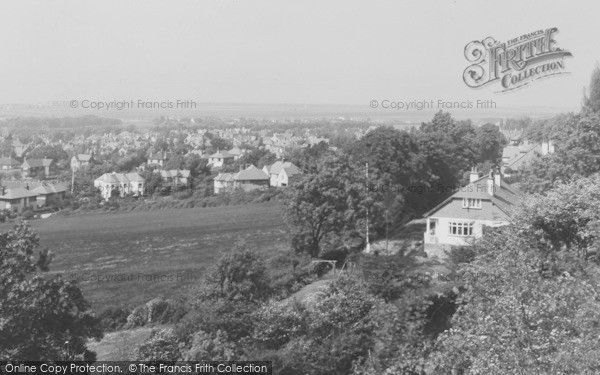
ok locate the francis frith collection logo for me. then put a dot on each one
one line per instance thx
(515, 63)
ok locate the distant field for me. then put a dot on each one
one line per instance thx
(137, 256)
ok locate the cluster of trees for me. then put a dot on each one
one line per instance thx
(408, 174)
(41, 317)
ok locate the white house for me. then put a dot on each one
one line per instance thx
(485, 201)
(124, 183)
(282, 173)
(81, 160)
(219, 159)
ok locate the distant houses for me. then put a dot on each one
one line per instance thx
(517, 155)
(123, 183)
(279, 174)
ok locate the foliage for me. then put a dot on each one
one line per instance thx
(213, 346)
(41, 318)
(161, 347)
(325, 203)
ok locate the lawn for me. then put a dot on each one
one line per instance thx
(130, 258)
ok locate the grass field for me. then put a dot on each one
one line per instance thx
(130, 258)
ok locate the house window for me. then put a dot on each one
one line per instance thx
(461, 229)
(471, 203)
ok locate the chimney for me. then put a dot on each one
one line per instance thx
(474, 175)
(490, 184)
(498, 179)
(544, 148)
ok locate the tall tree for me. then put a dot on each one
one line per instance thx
(41, 318)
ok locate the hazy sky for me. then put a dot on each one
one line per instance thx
(314, 52)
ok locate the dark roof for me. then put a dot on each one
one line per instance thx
(250, 174)
(9, 161)
(35, 163)
(504, 195)
(18, 193)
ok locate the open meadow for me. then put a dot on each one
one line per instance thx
(130, 258)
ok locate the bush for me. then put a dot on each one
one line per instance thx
(156, 311)
(27, 214)
(113, 318)
(162, 346)
(461, 254)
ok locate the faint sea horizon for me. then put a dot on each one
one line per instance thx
(278, 111)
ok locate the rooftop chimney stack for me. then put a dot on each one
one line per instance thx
(474, 175)
(490, 184)
(497, 179)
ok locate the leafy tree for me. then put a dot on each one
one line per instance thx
(162, 346)
(325, 203)
(577, 154)
(55, 152)
(490, 142)
(514, 318)
(591, 98)
(449, 149)
(41, 318)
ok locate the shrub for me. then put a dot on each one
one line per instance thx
(162, 346)
(27, 214)
(113, 318)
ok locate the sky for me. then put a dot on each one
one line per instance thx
(298, 52)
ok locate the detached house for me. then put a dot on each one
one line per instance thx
(37, 167)
(81, 160)
(124, 183)
(485, 201)
(219, 159)
(281, 173)
(175, 177)
(248, 179)
(158, 158)
(18, 199)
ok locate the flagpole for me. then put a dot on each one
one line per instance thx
(368, 247)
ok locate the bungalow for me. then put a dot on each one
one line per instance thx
(485, 201)
(124, 183)
(37, 167)
(8, 163)
(281, 173)
(18, 199)
(248, 179)
(219, 159)
(44, 192)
